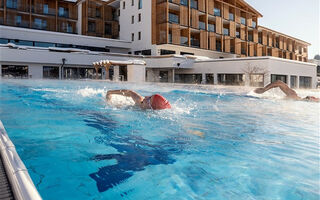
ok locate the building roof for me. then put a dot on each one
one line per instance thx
(250, 8)
(268, 29)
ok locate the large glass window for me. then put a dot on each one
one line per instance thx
(173, 18)
(209, 79)
(276, 77)
(50, 72)
(164, 76)
(305, 82)
(188, 78)
(231, 16)
(92, 27)
(256, 80)
(230, 79)
(14, 71)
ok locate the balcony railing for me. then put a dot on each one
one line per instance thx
(184, 2)
(211, 27)
(42, 10)
(194, 4)
(195, 42)
(202, 25)
(22, 23)
(174, 18)
(184, 41)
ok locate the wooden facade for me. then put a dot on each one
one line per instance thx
(49, 15)
(98, 19)
(61, 16)
(229, 26)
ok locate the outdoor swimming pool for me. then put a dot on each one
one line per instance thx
(213, 144)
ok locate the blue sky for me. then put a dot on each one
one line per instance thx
(300, 19)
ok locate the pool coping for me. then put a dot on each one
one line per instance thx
(22, 185)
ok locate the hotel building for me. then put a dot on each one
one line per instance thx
(226, 30)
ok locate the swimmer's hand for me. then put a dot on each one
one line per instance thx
(259, 90)
(108, 96)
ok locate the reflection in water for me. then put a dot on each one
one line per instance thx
(135, 153)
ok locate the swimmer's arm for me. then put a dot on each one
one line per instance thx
(137, 98)
(284, 88)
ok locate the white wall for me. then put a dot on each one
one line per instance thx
(136, 73)
(126, 28)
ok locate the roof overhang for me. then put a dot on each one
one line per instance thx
(250, 8)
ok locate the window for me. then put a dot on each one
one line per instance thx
(124, 5)
(91, 27)
(132, 19)
(256, 80)
(188, 78)
(231, 16)
(217, 12)
(230, 79)
(209, 79)
(139, 17)
(243, 20)
(44, 44)
(164, 76)
(139, 36)
(63, 12)
(132, 36)
(225, 31)
(51, 72)
(18, 20)
(166, 52)
(45, 9)
(14, 71)
(12, 4)
(140, 4)
(108, 29)
(186, 53)
(132, 2)
(275, 77)
(184, 2)
(305, 82)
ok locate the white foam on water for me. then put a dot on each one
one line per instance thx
(89, 92)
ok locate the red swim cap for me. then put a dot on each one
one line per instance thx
(159, 102)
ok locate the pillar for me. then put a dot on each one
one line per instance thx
(215, 79)
(298, 81)
(204, 81)
(288, 81)
(116, 73)
(173, 74)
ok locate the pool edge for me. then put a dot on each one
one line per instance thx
(21, 184)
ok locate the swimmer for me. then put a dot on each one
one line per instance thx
(154, 102)
(290, 93)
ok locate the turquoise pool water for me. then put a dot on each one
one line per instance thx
(214, 144)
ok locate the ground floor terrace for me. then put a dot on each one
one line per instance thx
(39, 63)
